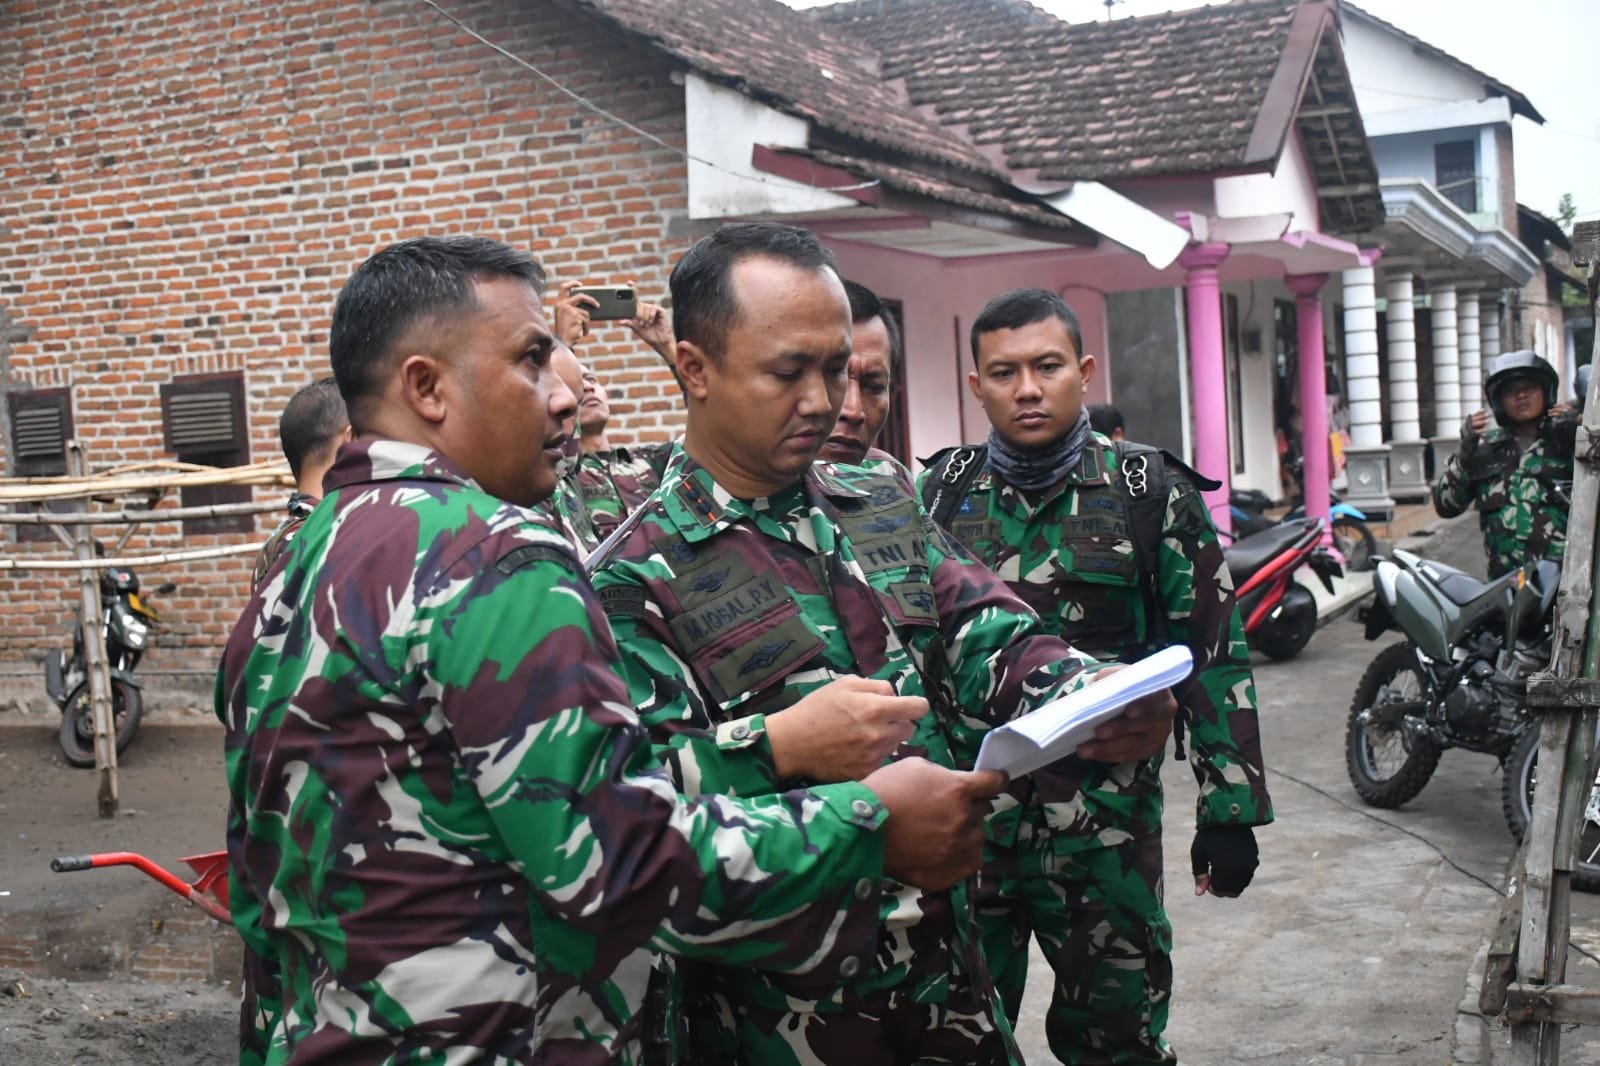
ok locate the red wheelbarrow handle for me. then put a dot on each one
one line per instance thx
(70, 863)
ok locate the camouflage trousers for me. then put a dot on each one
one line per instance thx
(1100, 923)
(882, 1028)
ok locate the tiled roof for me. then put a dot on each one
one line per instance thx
(795, 63)
(1178, 93)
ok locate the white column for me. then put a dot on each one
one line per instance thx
(1469, 337)
(1363, 387)
(1404, 417)
(1489, 329)
(1367, 457)
(1446, 363)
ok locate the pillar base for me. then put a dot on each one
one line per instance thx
(1443, 449)
(1367, 470)
(1407, 470)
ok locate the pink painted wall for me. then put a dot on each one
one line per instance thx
(942, 297)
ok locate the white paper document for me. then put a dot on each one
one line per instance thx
(1056, 729)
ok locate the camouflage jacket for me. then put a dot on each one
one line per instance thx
(448, 836)
(1069, 553)
(299, 508)
(565, 508)
(1522, 497)
(727, 610)
(615, 481)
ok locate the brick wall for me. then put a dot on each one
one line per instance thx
(183, 188)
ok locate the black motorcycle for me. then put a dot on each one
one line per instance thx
(1458, 680)
(127, 622)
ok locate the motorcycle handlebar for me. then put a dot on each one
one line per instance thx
(68, 863)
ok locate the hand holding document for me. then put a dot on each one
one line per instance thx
(1055, 730)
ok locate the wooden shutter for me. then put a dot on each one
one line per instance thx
(41, 425)
(203, 421)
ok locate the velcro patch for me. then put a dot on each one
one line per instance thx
(517, 558)
(623, 601)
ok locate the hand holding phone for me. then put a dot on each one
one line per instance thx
(611, 302)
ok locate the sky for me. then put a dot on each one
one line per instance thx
(1535, 46)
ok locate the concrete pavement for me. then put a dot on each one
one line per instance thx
(1357, 940)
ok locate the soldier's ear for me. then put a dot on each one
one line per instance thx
(693, 364)
(423, 387)
(1086, 369)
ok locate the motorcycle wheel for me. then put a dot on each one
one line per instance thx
(1287, 635)
(77, 721)
(1516, 801)
(1355, 542)
(1383, 770)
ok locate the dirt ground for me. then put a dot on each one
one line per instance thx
(106, 965)
(51, 1022)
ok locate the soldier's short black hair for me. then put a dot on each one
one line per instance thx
(1024, 307)
(1105, 419)
(704, 307)
(407, 283)
(865, 306)
(312, 421)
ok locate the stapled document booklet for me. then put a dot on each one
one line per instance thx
(1056, 729)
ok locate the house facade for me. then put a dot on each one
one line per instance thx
(1447, 296)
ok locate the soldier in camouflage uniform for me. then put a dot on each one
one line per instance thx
(1042, 506)
(448, 837)
(566, 507)
(781, 621)
(875, 352)
(612, 480)
(1517, 473)
(310, 430)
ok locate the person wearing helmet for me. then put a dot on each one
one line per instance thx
(1517, 472)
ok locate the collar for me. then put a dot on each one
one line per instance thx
(701, 508)
(301, 504)
(362, 461)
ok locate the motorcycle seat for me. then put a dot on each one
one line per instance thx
(1246, 556)
(1459, 587)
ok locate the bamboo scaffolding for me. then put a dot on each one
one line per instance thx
(148, 482)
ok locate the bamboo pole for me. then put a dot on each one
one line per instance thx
(94, 650)
(132, 561)
(37, 490)
(172, 514)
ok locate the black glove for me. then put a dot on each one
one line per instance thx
(1468, 442)
(1228, 853)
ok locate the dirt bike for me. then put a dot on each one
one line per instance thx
(127, 623)
(1458, 680)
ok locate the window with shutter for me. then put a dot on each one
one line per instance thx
(41, 425)
(203, 420)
